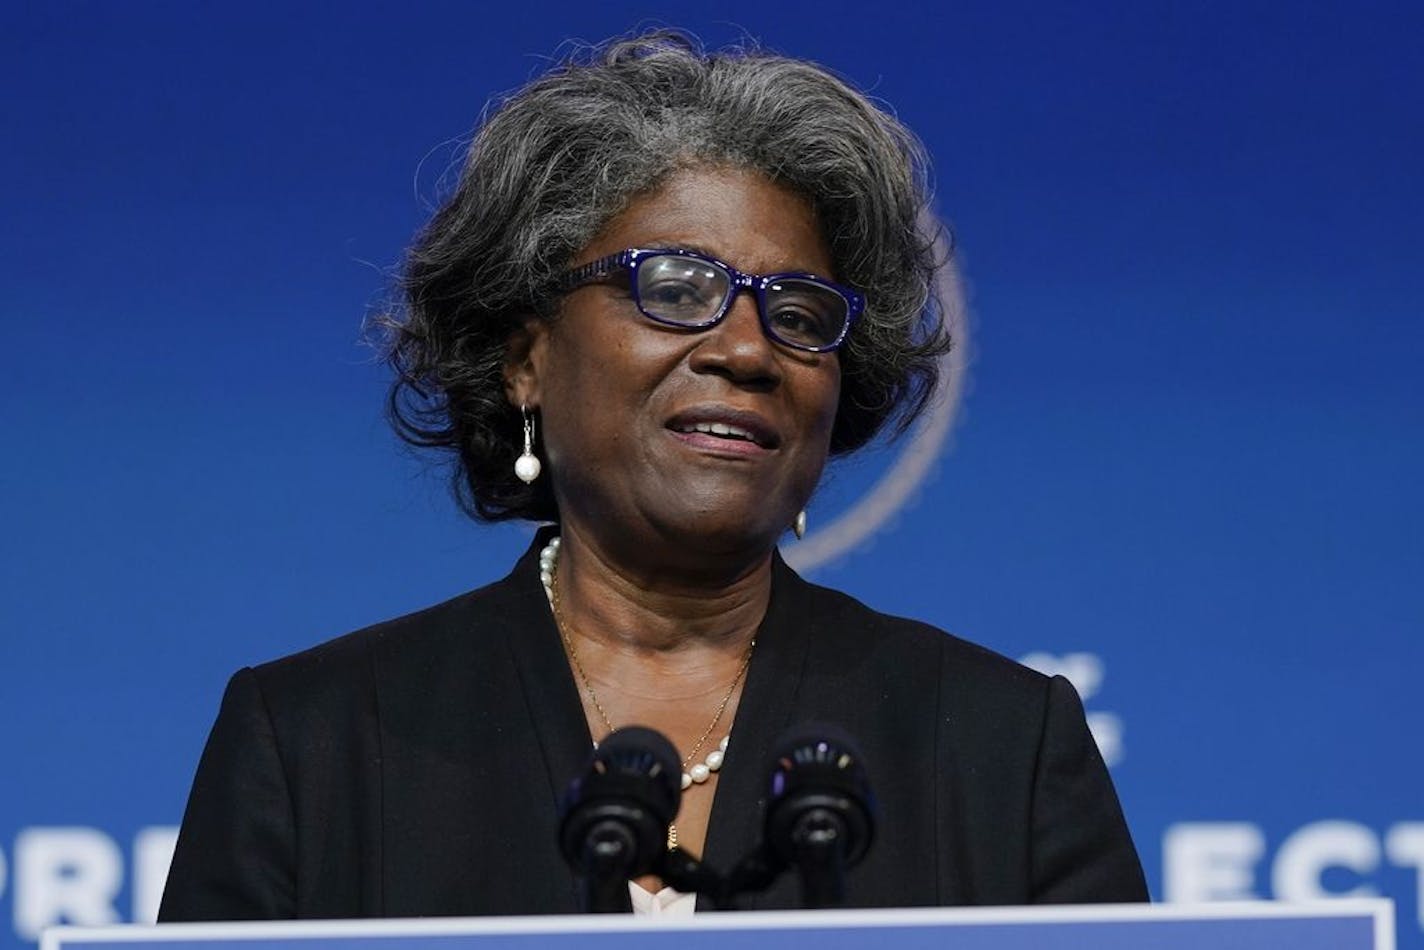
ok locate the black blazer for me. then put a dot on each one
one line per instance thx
(414, 768)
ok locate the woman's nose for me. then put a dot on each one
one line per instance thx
(738, 348)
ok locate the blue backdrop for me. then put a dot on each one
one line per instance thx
(1183, 464)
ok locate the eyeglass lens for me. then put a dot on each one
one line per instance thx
(690, 292)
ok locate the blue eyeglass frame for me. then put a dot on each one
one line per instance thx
(633, 257)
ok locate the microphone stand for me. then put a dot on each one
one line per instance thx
(683, 872)
(820, 817)
(613, 820)
(608, 854)
(818, 839)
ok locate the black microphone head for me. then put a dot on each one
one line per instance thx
(818, 766)
(634, 779)
(637, 747)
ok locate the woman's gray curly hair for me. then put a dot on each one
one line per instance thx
(558, 159)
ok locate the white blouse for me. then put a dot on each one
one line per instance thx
(665, 903)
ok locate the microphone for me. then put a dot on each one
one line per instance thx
(820, 816)
(613, 822)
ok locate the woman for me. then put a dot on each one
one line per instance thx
(669, 287)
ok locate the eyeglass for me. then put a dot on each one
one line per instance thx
(690, 290)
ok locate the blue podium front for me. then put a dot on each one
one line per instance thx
(1351, 924)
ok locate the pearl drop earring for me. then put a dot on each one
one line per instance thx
(798, 526)
(527, 466)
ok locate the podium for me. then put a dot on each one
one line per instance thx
(1346, 924)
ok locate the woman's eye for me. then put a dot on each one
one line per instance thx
(798, 321)
(674, 293)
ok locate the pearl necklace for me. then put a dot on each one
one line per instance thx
(696, 774)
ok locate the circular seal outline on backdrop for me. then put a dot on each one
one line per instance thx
(923, 445)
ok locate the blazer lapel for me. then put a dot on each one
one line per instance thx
(550, 694)
(764, 713)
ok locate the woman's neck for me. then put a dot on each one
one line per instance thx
(659, 606)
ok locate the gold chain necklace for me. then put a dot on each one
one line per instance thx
(697, 774)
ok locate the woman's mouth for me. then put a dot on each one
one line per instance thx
(725, 430)
(718, 429)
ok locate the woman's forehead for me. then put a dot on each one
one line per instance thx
(736, 215)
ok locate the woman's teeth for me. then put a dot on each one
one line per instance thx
(720, 430)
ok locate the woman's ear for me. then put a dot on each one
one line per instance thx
(523, 362)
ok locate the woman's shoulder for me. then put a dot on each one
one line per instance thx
(466, 625)
(850, 624)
